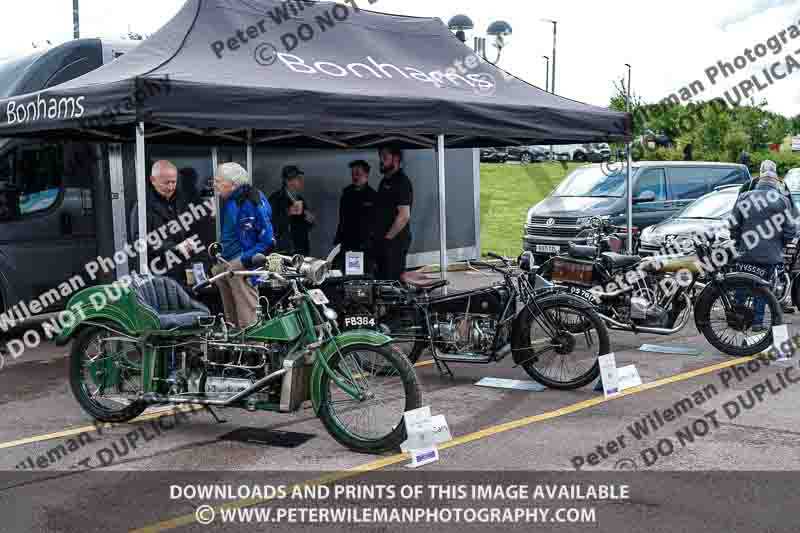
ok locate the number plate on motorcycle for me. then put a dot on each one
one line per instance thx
(548, 249)
(318, 296)
(359, 322)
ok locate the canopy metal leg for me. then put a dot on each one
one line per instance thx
(141, 196)
(442, 211)
(214, 165)
(250, 155)
(630, 203)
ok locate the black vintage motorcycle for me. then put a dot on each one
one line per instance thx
(555, 337)
(659, 294)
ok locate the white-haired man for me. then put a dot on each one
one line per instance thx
(164, 205)
(246, 227)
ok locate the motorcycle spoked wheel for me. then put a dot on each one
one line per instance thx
(106, 377)
(796, 291)
(375, 424)
(731, 331)
(561, 332)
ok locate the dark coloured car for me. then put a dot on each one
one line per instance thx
(660, 190)
(494, 155)
(528, 154)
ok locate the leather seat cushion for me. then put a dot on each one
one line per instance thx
(580, 251)
(168, 299)
(620, 260)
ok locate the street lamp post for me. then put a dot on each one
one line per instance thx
(553, 81)
(76, 21)
(555, 32)
(547, 74)
(629, 173)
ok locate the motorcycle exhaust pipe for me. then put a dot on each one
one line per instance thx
(625, 327)
(655, 331)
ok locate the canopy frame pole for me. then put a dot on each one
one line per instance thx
(250, 155)
(442, 211)
(141, 194)
(630, 202)
(214, 165)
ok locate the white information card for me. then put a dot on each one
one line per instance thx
(609, 374)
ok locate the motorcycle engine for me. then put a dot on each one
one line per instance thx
(644, 312)
(224, 368)
(465, 333)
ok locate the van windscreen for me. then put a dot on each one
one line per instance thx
(593, 181)
(12, 71)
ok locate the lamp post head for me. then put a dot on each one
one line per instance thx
(501, 31)
(460, 24)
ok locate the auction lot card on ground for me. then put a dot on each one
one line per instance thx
(609, 374)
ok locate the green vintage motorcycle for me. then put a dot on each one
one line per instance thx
(149, 343)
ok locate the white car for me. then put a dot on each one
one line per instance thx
(584, 152)
(793, 180)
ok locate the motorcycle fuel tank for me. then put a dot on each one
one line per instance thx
(491, 300)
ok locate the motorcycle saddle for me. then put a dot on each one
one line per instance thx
(170, 302)
(621, 260)
(581, 251)
(422, 283)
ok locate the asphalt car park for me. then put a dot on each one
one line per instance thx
(52, 453)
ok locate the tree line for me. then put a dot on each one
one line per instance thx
(713, 130)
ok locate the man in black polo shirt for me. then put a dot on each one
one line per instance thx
(356, 215)
(392, 215)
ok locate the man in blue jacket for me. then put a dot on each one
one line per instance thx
(246, 227)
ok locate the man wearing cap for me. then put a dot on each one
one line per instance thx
(292, 220)
(763, 211)
(356, 214)
(246, 228)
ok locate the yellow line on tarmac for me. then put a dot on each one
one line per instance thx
(154, 415)
(187, 520)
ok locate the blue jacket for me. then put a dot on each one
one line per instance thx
(246, 227)
(757, 227)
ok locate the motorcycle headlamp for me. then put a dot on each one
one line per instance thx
(526, 262)
(315, 270)
(330, 314)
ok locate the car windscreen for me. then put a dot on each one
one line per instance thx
(793, 180)
(12, 71)
(593, 182)
(712, 206)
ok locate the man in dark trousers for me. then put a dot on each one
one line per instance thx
(356, 216)
(291, 219)
(392, 215)
(762, 227)
(164, 204)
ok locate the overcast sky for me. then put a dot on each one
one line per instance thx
(669, 44)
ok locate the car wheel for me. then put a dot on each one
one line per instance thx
(526, 158)
(580, 157)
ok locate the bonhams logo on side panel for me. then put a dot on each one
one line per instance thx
(44, 109)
